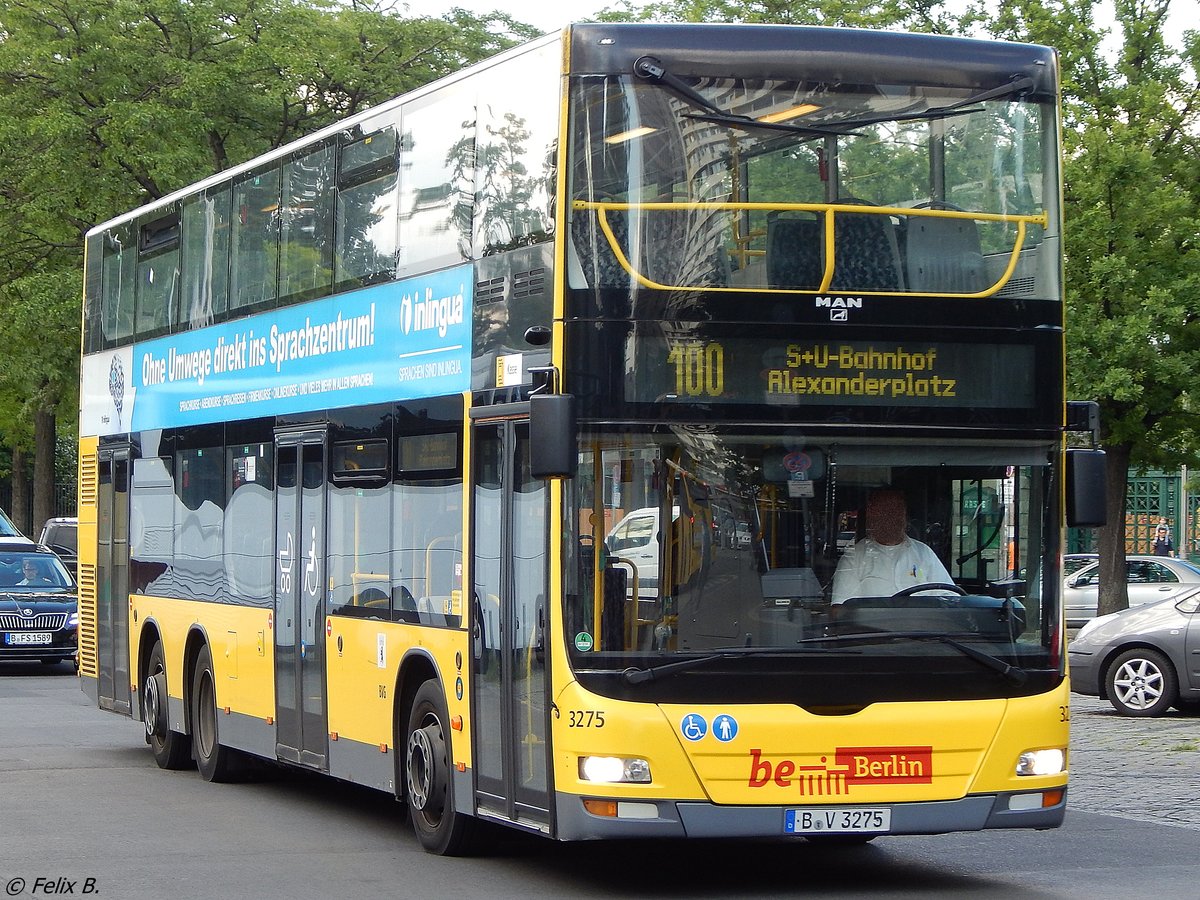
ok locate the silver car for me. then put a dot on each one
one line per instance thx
(1150, 578)
(1137, 658)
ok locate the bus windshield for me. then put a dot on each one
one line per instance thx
(707, 541)
(729, 183)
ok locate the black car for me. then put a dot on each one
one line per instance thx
(61, 534)
(39, 613)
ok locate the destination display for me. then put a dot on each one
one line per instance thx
(758, 371)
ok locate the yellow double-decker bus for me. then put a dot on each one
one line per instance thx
(502, 447)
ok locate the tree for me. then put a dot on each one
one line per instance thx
(1132, 208)
(108, 104)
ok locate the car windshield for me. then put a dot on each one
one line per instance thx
(7, 528)
(33, 573)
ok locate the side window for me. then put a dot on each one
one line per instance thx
(427, 529)
(367, 216)
(158, 274)
(248, 547)
(152, 519)
(518, 134)
(119, 284)
(206, 226)
(437, 159)
(255, 241)
(1160, 574)
(306, 226)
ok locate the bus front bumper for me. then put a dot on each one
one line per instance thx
(691, 819)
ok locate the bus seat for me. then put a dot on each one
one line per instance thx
(404, 605)
(943, 256)
(794, 253)
(866, 254)
(372, 597)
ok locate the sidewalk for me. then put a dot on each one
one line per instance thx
(1146, 769)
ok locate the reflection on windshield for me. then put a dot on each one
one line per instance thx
(728, 184)
(701, 542)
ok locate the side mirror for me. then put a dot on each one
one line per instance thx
(553, 450)
(1086, 487)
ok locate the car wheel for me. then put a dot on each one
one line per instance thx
(171, 749)
(428, 777)
(1141, 682)
(215, 762)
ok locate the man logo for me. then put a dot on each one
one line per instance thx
(839, 307)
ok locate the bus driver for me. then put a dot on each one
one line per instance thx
(887, 560)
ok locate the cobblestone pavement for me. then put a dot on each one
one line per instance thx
(1145, 769)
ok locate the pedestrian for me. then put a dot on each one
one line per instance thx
(1162, 542)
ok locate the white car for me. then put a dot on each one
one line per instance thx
(635, 541)
(1149, 578)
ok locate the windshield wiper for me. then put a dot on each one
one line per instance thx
(1012, 674)
(651, 69)
(634, 675)
(957, 108)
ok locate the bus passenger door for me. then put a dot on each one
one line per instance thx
(300, 733)
(112, 580)
(509, 724)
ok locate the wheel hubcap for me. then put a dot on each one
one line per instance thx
(1138, 684)
(425, 770)
(153, 709)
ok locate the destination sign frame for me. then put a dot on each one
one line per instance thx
(769, 371)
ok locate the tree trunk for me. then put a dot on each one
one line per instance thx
(20, 493)
(1114, 590)
(44, 428)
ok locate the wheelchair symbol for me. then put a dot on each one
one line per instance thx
(693, 727)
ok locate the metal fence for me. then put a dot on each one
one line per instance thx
(65, 498)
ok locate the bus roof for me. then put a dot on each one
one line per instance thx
(847, 55)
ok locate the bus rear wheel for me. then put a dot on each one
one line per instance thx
(428, 777)
(171, 749)
(215, 762)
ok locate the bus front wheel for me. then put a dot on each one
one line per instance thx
(171, 749)
(428, 777)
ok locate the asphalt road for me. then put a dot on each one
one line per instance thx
(84, 809)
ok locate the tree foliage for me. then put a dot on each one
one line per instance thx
(109, 104)
(1131, 111)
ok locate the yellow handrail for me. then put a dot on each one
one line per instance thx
(828, 211)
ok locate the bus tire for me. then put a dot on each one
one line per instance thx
(428, 778)
(171, 749)
(215, 762)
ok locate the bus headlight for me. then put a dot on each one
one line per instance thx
(614, 770)
(1042, 762)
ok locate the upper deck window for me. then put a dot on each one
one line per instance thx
(255, 248)
(367, 217)
(894, 189)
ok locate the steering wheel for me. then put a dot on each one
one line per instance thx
(930, 586)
